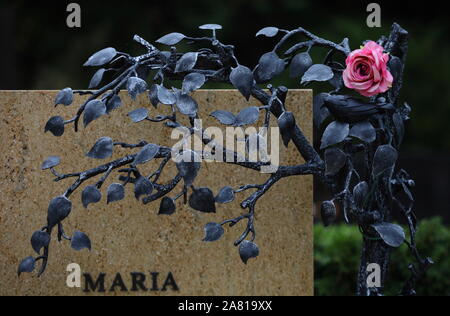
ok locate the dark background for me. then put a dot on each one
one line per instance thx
(40, 52)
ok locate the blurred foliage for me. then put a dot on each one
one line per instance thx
(40, 52)
(337, 253)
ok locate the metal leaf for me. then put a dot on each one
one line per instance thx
(213, 232)
(193, 81)
(40, 240)
(268, 31)
(138, 115)
(360, 192)
(202, 200)
(395, 67)
(166, 96)
(136, 86)
(287, 124)
(242, 79)
(188, 166)
(167, 206)
(328, 213)
(248, 250)
(97, 78)
(50, 162)
(321, 112)
(90, 195)
(64, 97)
(26, 266)
(153, 95)
(224, 117)
(210, 27)
(269, 66)
(186, 62)
(399, 127)
(349, 109)
(103, 149)
(300, 64)
(186, 104)
(335, 133)
(80, 241)
(393, 235)
(146, 154)
(337, 80)
(101, 58)
(335, 160)
(114, 103)
(58, 210)
(318, 73)
(171, 39)
(55, 126)
(94, 110)
(247, 116)
(384, 160)
(226, 195)
(142, 186)
(364, 131)
(116, 192)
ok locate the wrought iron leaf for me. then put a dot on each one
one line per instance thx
(186, 62)
(192, 82)
(91, 195)
(328, 212)
(116, 192)
(213, 232)
(395, 67)
(55, 126)
(188, 165)
(300, 64)
(50, 162)
(286, 122)
(101, 58)
(247, 116)
(26, 266)
(58, 210)
(97, 78)
(166, 96)
(321, 112)
(364, 131)
(167, 206)
(171, 39)
(337, 80)
(268, 31)
(393, 235)
(248, 250)
(80, 241)
(103, 149)
(349, 109)
(142, 187)
(360, 192)
(334, 134)
(242, 79)
(186, 105)
(318, 73)
(226, 195)
(64, 97)
(94, 110)
(138, 115)
(384, 160)
(269, 66)
(146, 154)
(202, 200)
(136, 86)
(210, 27)
(114, 103)
(224, 117)
(399, 127)
(335, 160)
(39, 240)
(153, 95)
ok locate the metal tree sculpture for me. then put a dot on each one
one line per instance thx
(359, 144)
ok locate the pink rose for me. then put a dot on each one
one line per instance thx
(367, 70)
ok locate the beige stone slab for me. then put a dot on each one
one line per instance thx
(128, 236)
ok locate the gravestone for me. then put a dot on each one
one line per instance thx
(133, 248)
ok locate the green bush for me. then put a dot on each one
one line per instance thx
(338, 250)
